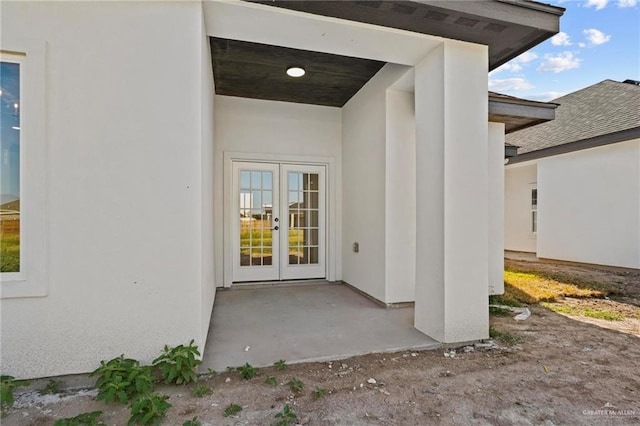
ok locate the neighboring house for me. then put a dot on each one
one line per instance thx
(145, 123)
(573, 191)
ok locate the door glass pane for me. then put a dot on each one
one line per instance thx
(303, 204)
(256, 218)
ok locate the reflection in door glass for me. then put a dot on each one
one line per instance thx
(302, 211)
(256, 216)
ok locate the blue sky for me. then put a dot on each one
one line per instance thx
(598, 40)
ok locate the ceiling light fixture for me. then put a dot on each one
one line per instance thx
(295, 72)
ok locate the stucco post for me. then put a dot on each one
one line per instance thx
(496, 207)
(452, 248)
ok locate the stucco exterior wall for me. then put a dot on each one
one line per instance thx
(400, 197)
(519, 180)
(126, 224)
(364, 174)
(589, 205)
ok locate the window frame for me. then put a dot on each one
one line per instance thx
(533, 211)
(32, 280)
(19, 59)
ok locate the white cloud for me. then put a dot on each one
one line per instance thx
(509, 66)
(598, 4)
(509, 84)
(596, 37)
(561, 39)
(558, 63)
(526, 57)
(582, 44)
(627, 3)
(515, 65)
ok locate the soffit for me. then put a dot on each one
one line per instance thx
(507, 28)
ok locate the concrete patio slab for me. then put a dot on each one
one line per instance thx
(304, 323)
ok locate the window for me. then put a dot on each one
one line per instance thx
(11, 253)
(534, 210)
(23, 168)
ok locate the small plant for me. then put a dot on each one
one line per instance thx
(497, 311)
(504, 336)
(121, 379)
(286, 417)
(296, 385)
(200, 391)
(84, 419)
(7, 384)
(319, 393)
(247, 371)
(149, 409)
(232, 409)
(193, 422)
(270, 380)
(211, 372)
(281, 365)
(178, 365)
(52, 387)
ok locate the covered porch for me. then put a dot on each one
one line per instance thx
(304, 322)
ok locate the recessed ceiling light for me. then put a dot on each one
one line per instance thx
(295, 71)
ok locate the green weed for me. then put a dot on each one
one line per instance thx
(232, 409)
(7, 385)
(178, 365)
(319, 393)
(121, 379)
(247, 371)
(84, 419)
(504, 336)
(200, 391)
(281, 365)
(295, 385)
(149, 409)
(271, 380)
(286, 417)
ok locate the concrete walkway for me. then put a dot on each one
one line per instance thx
(307, 322)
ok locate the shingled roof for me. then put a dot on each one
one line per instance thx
(606, 112)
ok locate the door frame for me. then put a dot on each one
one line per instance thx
(332, 246)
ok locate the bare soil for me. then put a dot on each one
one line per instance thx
(564, 370)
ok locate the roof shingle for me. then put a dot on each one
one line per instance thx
(604, 108)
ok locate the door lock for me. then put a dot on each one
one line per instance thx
(276, 228)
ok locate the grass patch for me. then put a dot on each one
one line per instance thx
(585, 312)
(10, 252)
(499, 312)
(532, 288)
(507, 299)
(504, 337)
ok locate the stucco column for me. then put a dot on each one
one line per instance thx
(496, 208)
(452, 193)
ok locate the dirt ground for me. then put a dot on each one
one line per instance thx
(563, 370)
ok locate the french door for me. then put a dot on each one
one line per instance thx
(279, 230)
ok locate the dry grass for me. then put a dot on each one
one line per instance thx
(584, 311)
(532, 288)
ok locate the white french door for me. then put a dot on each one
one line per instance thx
(279, 216)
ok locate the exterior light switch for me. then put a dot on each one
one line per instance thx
(356, 247)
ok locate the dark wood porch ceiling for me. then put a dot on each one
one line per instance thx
(258, 71)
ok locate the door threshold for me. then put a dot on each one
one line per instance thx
(286, 283)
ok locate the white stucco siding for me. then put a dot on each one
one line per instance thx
(278, 130)
(208, 290)
(496, 207)
(364, 174)
(125, 185)
(519, 180)
(589, 205)
(400, 192)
